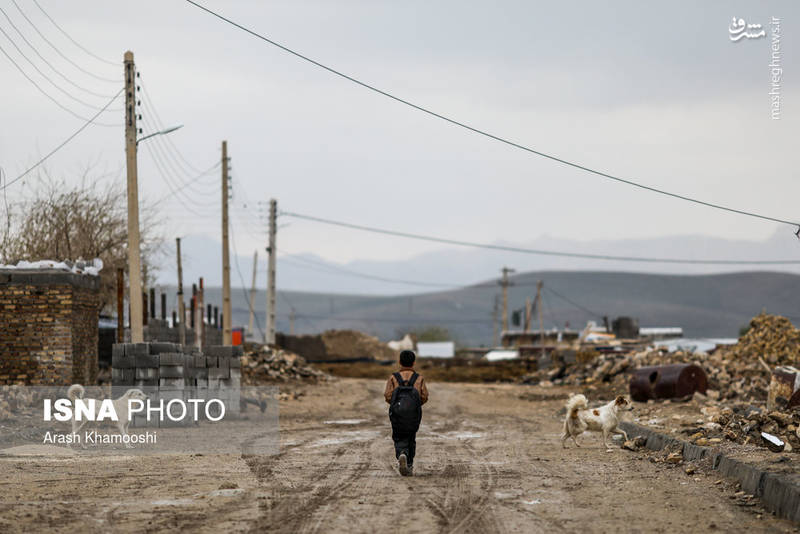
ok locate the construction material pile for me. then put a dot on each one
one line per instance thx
(337, 346)
(269, 366)
(740, 371)
(745, 423)
(770, 337)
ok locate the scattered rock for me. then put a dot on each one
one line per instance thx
(674, 458)
(267, 366)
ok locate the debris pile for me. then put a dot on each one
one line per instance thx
(14, 398)
(736, 372)
(265, 366)
(771, 337)
(337, 345)
(745, 423)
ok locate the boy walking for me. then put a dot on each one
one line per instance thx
(406, 393)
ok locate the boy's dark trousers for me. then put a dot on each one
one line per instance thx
(404, 442)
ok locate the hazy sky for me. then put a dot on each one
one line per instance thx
(654, 92)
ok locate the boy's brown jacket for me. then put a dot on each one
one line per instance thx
(406, 373)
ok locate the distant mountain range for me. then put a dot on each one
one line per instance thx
(704, 305)
(448, 267)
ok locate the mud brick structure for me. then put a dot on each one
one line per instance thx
(48, 327)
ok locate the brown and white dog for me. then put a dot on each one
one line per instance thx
(605, 419)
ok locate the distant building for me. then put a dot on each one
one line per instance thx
(661, 332)
(438, 349)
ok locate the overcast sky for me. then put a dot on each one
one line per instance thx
(653, 92)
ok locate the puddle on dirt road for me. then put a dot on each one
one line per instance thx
(346, 422)
(347, 437)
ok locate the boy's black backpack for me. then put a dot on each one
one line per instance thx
(405, 410)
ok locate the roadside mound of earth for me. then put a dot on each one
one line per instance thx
(772, 337)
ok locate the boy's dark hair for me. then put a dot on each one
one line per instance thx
(407, 358)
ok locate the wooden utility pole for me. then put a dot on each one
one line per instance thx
(253, 295)
(528, 313)
(134, 258)
(504, 283)
(120, 305)
(539, 309)
(181, 303)
(226, 259)
(269, 334)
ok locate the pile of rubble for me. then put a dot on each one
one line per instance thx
(267, 366)
(771, 337)
(745, 423)
(739, 371)
(13, 399)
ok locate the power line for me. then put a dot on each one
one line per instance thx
(487, 134)
(534, 251)
(332, 269)
(241, 278)
(46, 62)
(60, 53)
(56, 102)
(570, 301)
(67, 140)
(76, 43)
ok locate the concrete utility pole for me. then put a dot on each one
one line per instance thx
(226, 259)
(504, 283)
(269, 334)
(539, 309)
(198, 320)
(495, 309)
(134, 257)
(120, 305)
(181, 303)
(253, 295)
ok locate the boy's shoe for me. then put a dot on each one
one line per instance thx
(403, 462)
(410, 470)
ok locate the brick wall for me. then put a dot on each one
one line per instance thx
(48, 327)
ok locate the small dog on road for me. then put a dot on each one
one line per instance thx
(605, 419)
(77, 391)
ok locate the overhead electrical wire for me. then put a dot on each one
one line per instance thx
(51, 98)
(241, 279)
(76, 43)
(487, 134)
(52, 67)
(60, 146)
(60, 53)
(542, 252)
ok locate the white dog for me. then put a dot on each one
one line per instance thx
(604, 419)
(77, 391)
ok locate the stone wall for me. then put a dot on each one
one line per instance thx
(48, 327)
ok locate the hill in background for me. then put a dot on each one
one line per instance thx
(714, 305)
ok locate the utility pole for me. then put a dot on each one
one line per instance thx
(504, 283)
(226, 259)
(539, 309)
(253, 295)
(269, 334)
(199, 330)
(495, 309)
(134, 258)
(181, 303)
(120, 305)
(528, 313)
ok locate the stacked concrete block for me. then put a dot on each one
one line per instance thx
(225, 375)
(180, 372)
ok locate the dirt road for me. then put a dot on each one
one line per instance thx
(488, 461)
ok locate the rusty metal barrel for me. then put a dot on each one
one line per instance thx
(667, 381)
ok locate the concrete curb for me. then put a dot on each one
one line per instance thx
(779, 493)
